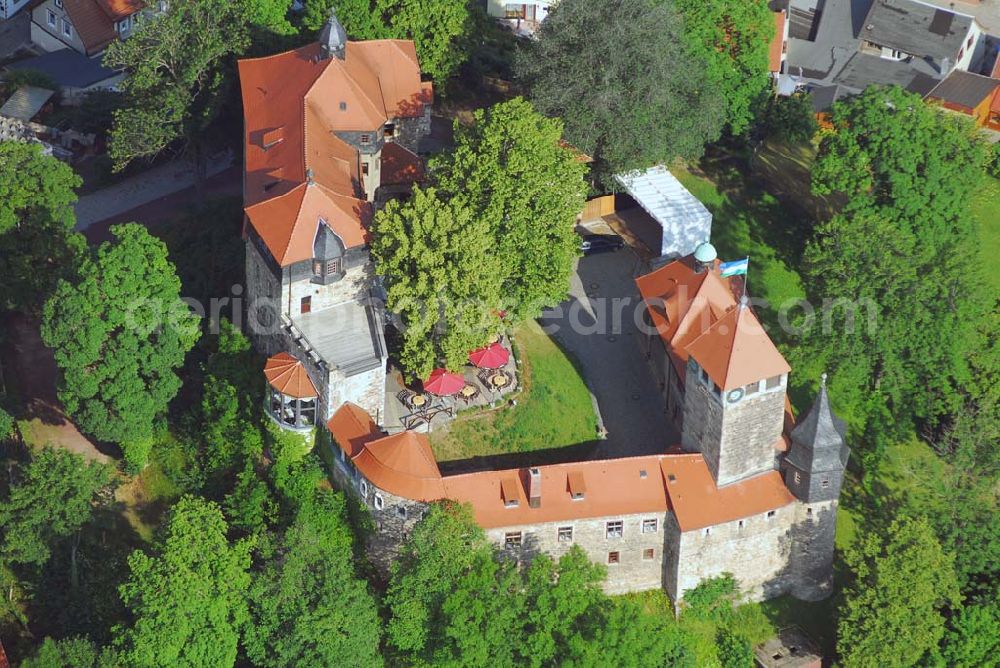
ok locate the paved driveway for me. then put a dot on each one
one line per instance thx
(597, 325)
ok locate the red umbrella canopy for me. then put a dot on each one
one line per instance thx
(492, 356)
(443, 382)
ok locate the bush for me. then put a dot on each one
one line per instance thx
(993, 161)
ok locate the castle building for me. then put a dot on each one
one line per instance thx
(331, 131)
(747, 491)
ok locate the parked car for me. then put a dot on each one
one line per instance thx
(601, 243)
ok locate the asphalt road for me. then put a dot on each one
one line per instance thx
(597, 325)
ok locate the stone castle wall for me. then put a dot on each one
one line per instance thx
(352, 287)
(813, 546)
(410, 130)
(635, 570)
(756, 550)
(737, 440)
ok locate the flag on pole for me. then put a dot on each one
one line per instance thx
(735, 268)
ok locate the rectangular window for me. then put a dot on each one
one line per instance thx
(740, 525)
(305, 306)
(512, 540)
(333, 266)
(390, 130)
(648, 554)
(798, 477)
(649, 526)
(365, 140)
(565, 534)
(51, 18)
(401, 511)
(615, 529)
(708, 531)
(824, 483)
(773, 382)
(614, 558)
(364, 169)
(770, 514)
(67, 29)
(752, 388)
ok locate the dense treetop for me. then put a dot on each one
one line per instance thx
(645, 101)
(37, 243)
(119, 333)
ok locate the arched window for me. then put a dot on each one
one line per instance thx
(378, 501)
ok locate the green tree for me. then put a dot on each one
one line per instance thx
(733, 38)
(359, 17)
(973, 637)
(179, 70)
(900, 581)
(37, 243)
(119, 333)
(439, 28)
(444, 546)
(308, 606)
(64, 653)
(187, 598)
(789, 118)
(646, 100)
(442, 278)
(898, 251)
(50, 498)
(510, 168)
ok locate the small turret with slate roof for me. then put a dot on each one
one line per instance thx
(818, 456)
(333, 37)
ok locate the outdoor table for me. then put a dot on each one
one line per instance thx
(418, 400)
(499, 380)
(469, 390)
(494, 339)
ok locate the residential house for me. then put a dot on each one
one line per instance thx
(907, 43)
(778, 48)
(523, 17)
(10, 7)
(86, 26)
(747, 491)
(330, 133)
(74, 73)
(969, 94)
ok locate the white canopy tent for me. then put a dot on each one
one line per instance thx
(683, 218)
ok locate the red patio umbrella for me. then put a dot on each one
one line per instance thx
(443, 382)
(492, 356)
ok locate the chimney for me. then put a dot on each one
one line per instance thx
(534, 487)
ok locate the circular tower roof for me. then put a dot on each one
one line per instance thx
(705, 253)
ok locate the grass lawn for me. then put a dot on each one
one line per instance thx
(553, 407)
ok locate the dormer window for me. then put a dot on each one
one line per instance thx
(577, 488)
(508, 489)
(343, 106)
(365, 139)
(328, 256)
(389, 130)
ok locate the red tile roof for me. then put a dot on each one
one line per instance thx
(400, 166)
(3, 658)
(119, 9)
(94, 26)
(403, 464)
(287, 223)
(294, 102)
(698, 503)
(287, 375)
(735, 350)
(682, 304)
(777, 46)
(352, 427)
